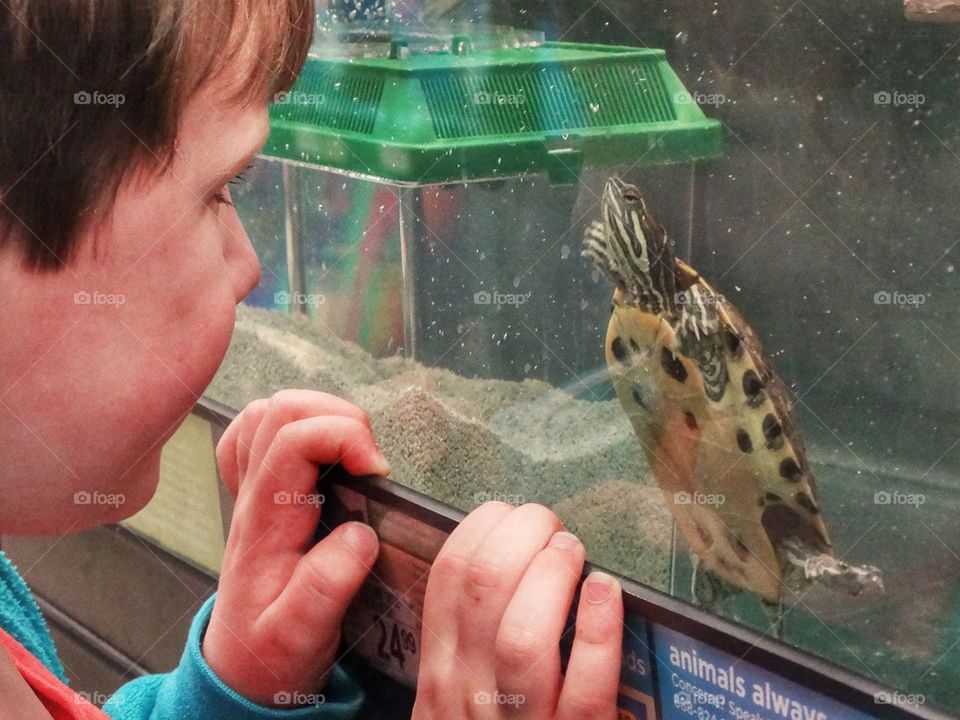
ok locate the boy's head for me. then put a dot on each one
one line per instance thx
(121, 259)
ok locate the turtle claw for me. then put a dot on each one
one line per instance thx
(834, 574)
(774, 613)
(709, 591)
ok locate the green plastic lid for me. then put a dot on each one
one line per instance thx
(471, 114)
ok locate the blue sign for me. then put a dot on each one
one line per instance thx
(635, 699)
(700, 682)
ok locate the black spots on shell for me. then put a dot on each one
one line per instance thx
(753, 388)
(784, 523)
(618, 349)
(638, 399)
(806, 502)
(733, 343)
(672, 366)
(770, 498)
(772, 432)
(691, 420)
(634, 346)
(743, 441)
(790, 470)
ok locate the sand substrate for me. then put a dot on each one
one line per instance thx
(465, 440)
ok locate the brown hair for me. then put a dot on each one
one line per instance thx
(91, 90)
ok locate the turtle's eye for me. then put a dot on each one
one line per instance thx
(631, 197)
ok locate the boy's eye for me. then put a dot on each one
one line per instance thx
(221, 197)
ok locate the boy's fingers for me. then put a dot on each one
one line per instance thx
(593, 674)
(279, 509)
(289, 406)
(528, 642)
(309, 610)
(253, 416)
(232, 449)
(443, 597)
(495, 571)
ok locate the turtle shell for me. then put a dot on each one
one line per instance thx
(731, 462)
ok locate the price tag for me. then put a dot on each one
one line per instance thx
(385, 621)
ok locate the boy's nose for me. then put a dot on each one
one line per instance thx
(251, 274)
(241, 259)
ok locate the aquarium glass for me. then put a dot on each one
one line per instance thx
(464, 319)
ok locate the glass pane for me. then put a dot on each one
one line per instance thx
(465, 320)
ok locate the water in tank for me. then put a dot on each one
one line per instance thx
(458, 308)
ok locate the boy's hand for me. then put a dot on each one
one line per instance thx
(497, 600)
(275, 626)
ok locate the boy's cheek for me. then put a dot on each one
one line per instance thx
(107, 364)
(95, 414)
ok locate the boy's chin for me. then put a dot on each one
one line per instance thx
(86, 509)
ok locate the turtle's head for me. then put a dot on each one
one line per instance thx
(619, 195)
(632, 247)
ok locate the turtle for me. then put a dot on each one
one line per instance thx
(714, 418)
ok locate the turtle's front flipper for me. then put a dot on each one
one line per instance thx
(830, 572)
(709, 590)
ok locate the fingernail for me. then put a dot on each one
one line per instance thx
(564, 541)
(598, 588)
(359, 536)
(383, 465)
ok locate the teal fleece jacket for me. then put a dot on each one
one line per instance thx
(191, 691)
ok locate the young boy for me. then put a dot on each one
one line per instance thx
(121, 263)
